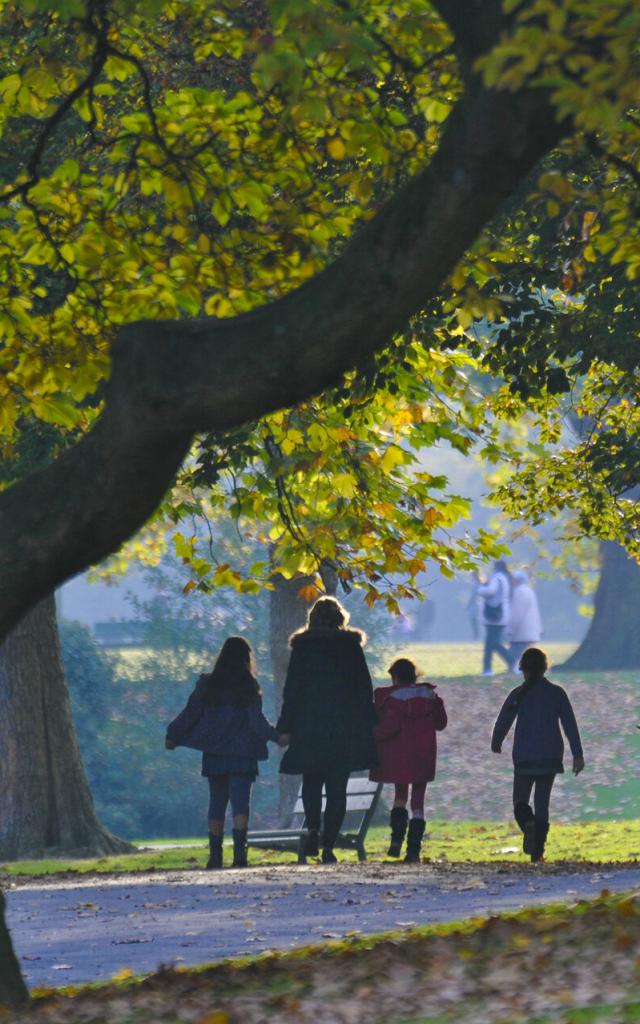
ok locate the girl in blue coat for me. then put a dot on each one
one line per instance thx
(223, 718)
(539, 708)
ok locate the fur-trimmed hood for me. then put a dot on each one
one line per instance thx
(348, 636)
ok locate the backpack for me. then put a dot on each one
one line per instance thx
(494, 612)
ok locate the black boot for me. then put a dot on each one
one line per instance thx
(414, 841)
(524, 817)
(398, 820)
(239, 848)
(215, 853)
(541, 831)
(312, 843)
(328, 856)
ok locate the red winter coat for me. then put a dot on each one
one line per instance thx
(408, 718)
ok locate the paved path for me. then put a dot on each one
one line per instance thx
(70, 932)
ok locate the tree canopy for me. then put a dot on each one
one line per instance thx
(214, 211)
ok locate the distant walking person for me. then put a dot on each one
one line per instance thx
(496, 595)
(409, 715)
(327, 713)
(223, 718)
(525, 625)
(539, 708)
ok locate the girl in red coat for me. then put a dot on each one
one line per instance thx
(409, 715)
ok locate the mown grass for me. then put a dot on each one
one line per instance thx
(451, 841)
(445, 660)
(453, 660)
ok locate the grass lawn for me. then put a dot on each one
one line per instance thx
(452, 842)
(567, 964)
(453, 660)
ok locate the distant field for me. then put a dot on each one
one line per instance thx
(449, 660)
(454, 660)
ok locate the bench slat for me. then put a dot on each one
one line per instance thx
(362, 796)
(357, 802)
(361, 786)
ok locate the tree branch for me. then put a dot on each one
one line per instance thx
(98, 61)
(172, 379)
(612, 158)
(475, 25)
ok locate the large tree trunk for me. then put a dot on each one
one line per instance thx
(45, 799)
(12, 986)
(613, 638)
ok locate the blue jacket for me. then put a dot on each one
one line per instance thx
(222, 729)
(540, 710)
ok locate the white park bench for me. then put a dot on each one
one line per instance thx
(362, 800)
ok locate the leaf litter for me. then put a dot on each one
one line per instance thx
(538, 964)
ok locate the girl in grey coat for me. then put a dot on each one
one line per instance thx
(539, 708)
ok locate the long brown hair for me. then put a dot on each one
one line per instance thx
(233, 676)
(327, 613)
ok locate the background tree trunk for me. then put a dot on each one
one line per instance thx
(287, 613)
(12, 986)
(44, 795)
(613, 638)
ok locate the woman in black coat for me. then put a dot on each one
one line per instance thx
(328, 713)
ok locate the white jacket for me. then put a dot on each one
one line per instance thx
(525, 624)
(496, 591)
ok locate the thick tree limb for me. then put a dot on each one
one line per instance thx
(475, 25)
(172, 379)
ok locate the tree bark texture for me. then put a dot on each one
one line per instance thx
(172, 379)
(287, 613)
(12, 986)
(44, 795)
(613, 637)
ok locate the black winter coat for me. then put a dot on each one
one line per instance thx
(327, 704)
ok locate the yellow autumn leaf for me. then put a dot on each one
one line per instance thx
(393, 457)
(215, 1017)
(336, 147)
(344, 484)
(123, 974)
(431, 516)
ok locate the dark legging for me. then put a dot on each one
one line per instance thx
(493, 645)
(522, 786)
(335, 784)
(418, 793)
(234, 787)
